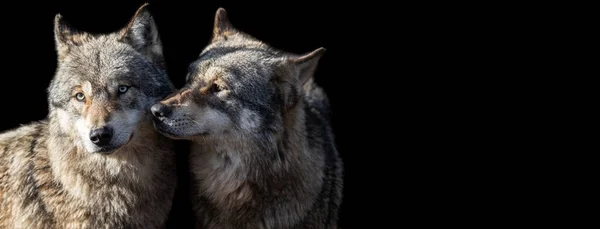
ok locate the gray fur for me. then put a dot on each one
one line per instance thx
(53, 176)
(263, 152)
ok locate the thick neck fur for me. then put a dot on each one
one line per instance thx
(94, 176)
(235, 169)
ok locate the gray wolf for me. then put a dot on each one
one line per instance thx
(96, 160)
(262, 147)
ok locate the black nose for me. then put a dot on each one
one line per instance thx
(160, 110)
(101, 136)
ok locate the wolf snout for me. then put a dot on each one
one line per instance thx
(101, 136)
(160, 110)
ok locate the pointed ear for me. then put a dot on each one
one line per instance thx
(306, 64)
(65, 36)
(141, 33)
(294, 72)
(222, 27)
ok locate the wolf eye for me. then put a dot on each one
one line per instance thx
(123, 89)
(80, 96)
(215, 88)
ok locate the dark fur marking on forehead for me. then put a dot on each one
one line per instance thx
(232, 70)
(219, 51)
(98, 63)
(205, 61)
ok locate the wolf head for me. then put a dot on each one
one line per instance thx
(238, 84)
(105, 84)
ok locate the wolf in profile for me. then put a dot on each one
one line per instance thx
(96, 160)
(262, 148)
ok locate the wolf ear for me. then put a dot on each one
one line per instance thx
(65, 36)
(306, 64)
(293, 72)
(222, 27)
(141, 33)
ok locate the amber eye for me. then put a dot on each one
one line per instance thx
(80, 96)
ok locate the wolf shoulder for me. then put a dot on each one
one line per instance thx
(17, 147)
(22, 137)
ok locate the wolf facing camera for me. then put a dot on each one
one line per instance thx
(96, 160)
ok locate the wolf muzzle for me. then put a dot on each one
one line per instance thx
(101, 136)
(161, 111)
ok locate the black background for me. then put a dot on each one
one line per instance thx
(350, 33)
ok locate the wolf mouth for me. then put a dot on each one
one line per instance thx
(108, 149)
(111, 149)
(163, 129)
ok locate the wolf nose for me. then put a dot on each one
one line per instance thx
(160, 110)
(101, 136)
